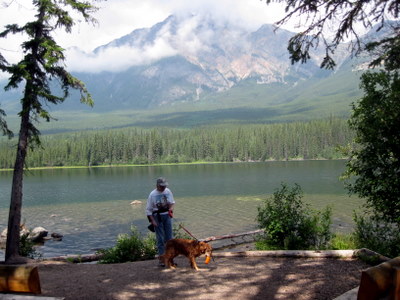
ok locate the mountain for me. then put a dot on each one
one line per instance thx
(196, 70)
(205, 59)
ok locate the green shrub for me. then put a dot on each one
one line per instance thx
(263, 245)
(341, 241)
(27, 247)
(378, 235)
(289, 223)
(130, 248)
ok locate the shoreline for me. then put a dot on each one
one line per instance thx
(169, 164)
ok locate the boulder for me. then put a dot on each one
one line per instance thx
(57, 236)
(23, 230)
(134, 202)
(3, 234)
(37, 234)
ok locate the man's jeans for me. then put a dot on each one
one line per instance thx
(163, 231)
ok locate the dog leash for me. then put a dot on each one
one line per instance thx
(180, 226)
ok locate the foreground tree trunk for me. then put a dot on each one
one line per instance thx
(14, 217)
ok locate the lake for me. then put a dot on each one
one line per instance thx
(90, 207)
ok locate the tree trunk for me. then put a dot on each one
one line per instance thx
(14, 216)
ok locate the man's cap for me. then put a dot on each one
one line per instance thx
(162, 181)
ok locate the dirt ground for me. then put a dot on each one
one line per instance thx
(223, 278)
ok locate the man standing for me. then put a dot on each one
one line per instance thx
(159, 210)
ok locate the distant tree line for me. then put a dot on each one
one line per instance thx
(282, 141)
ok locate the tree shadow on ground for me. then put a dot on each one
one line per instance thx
(224, 278)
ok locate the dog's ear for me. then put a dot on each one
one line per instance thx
(204, 246)
(207, 247)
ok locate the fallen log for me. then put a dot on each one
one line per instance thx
(19, 279)
(291, 253)
(230, 236)
(84, 258)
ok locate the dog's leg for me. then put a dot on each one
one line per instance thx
(162, 260)
(173, 264)
(193, 264)
(170, 261)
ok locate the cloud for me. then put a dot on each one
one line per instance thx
(120, 17)
(247, 14)
(116, 59)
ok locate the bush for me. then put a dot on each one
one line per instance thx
(341, 241)
(289, 223)
(378, 235)
(130, 248)
(27, 247)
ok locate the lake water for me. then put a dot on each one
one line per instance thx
(90, 207)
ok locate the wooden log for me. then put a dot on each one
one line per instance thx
(230, 236)
(76, 258)
(19, 279)
(366, 254)
(396, 283)
(378, 282)
(290, 253)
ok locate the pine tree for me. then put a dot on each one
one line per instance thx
(41, 64)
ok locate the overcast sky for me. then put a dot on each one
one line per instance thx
(120, 17)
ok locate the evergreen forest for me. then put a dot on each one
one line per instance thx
(317, 139)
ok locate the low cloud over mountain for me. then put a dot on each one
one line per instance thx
(177, 35)
(184, 59)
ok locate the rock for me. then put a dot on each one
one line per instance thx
(37, 234)
(136, 202)
(23, 230)
(57, 236)
(3, 234)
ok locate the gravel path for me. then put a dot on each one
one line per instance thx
(223, 278)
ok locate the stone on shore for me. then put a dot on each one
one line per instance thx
(37, 234)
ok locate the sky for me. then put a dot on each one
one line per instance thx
(117, 18)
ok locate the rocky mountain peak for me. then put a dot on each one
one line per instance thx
(215, 55)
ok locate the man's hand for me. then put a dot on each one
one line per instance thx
(152, 220)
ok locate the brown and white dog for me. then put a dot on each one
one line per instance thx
(190, 248)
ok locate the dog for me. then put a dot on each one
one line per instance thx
(190, 248)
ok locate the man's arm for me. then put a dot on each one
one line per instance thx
(152, 220)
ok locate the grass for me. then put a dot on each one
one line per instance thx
(343, 241)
